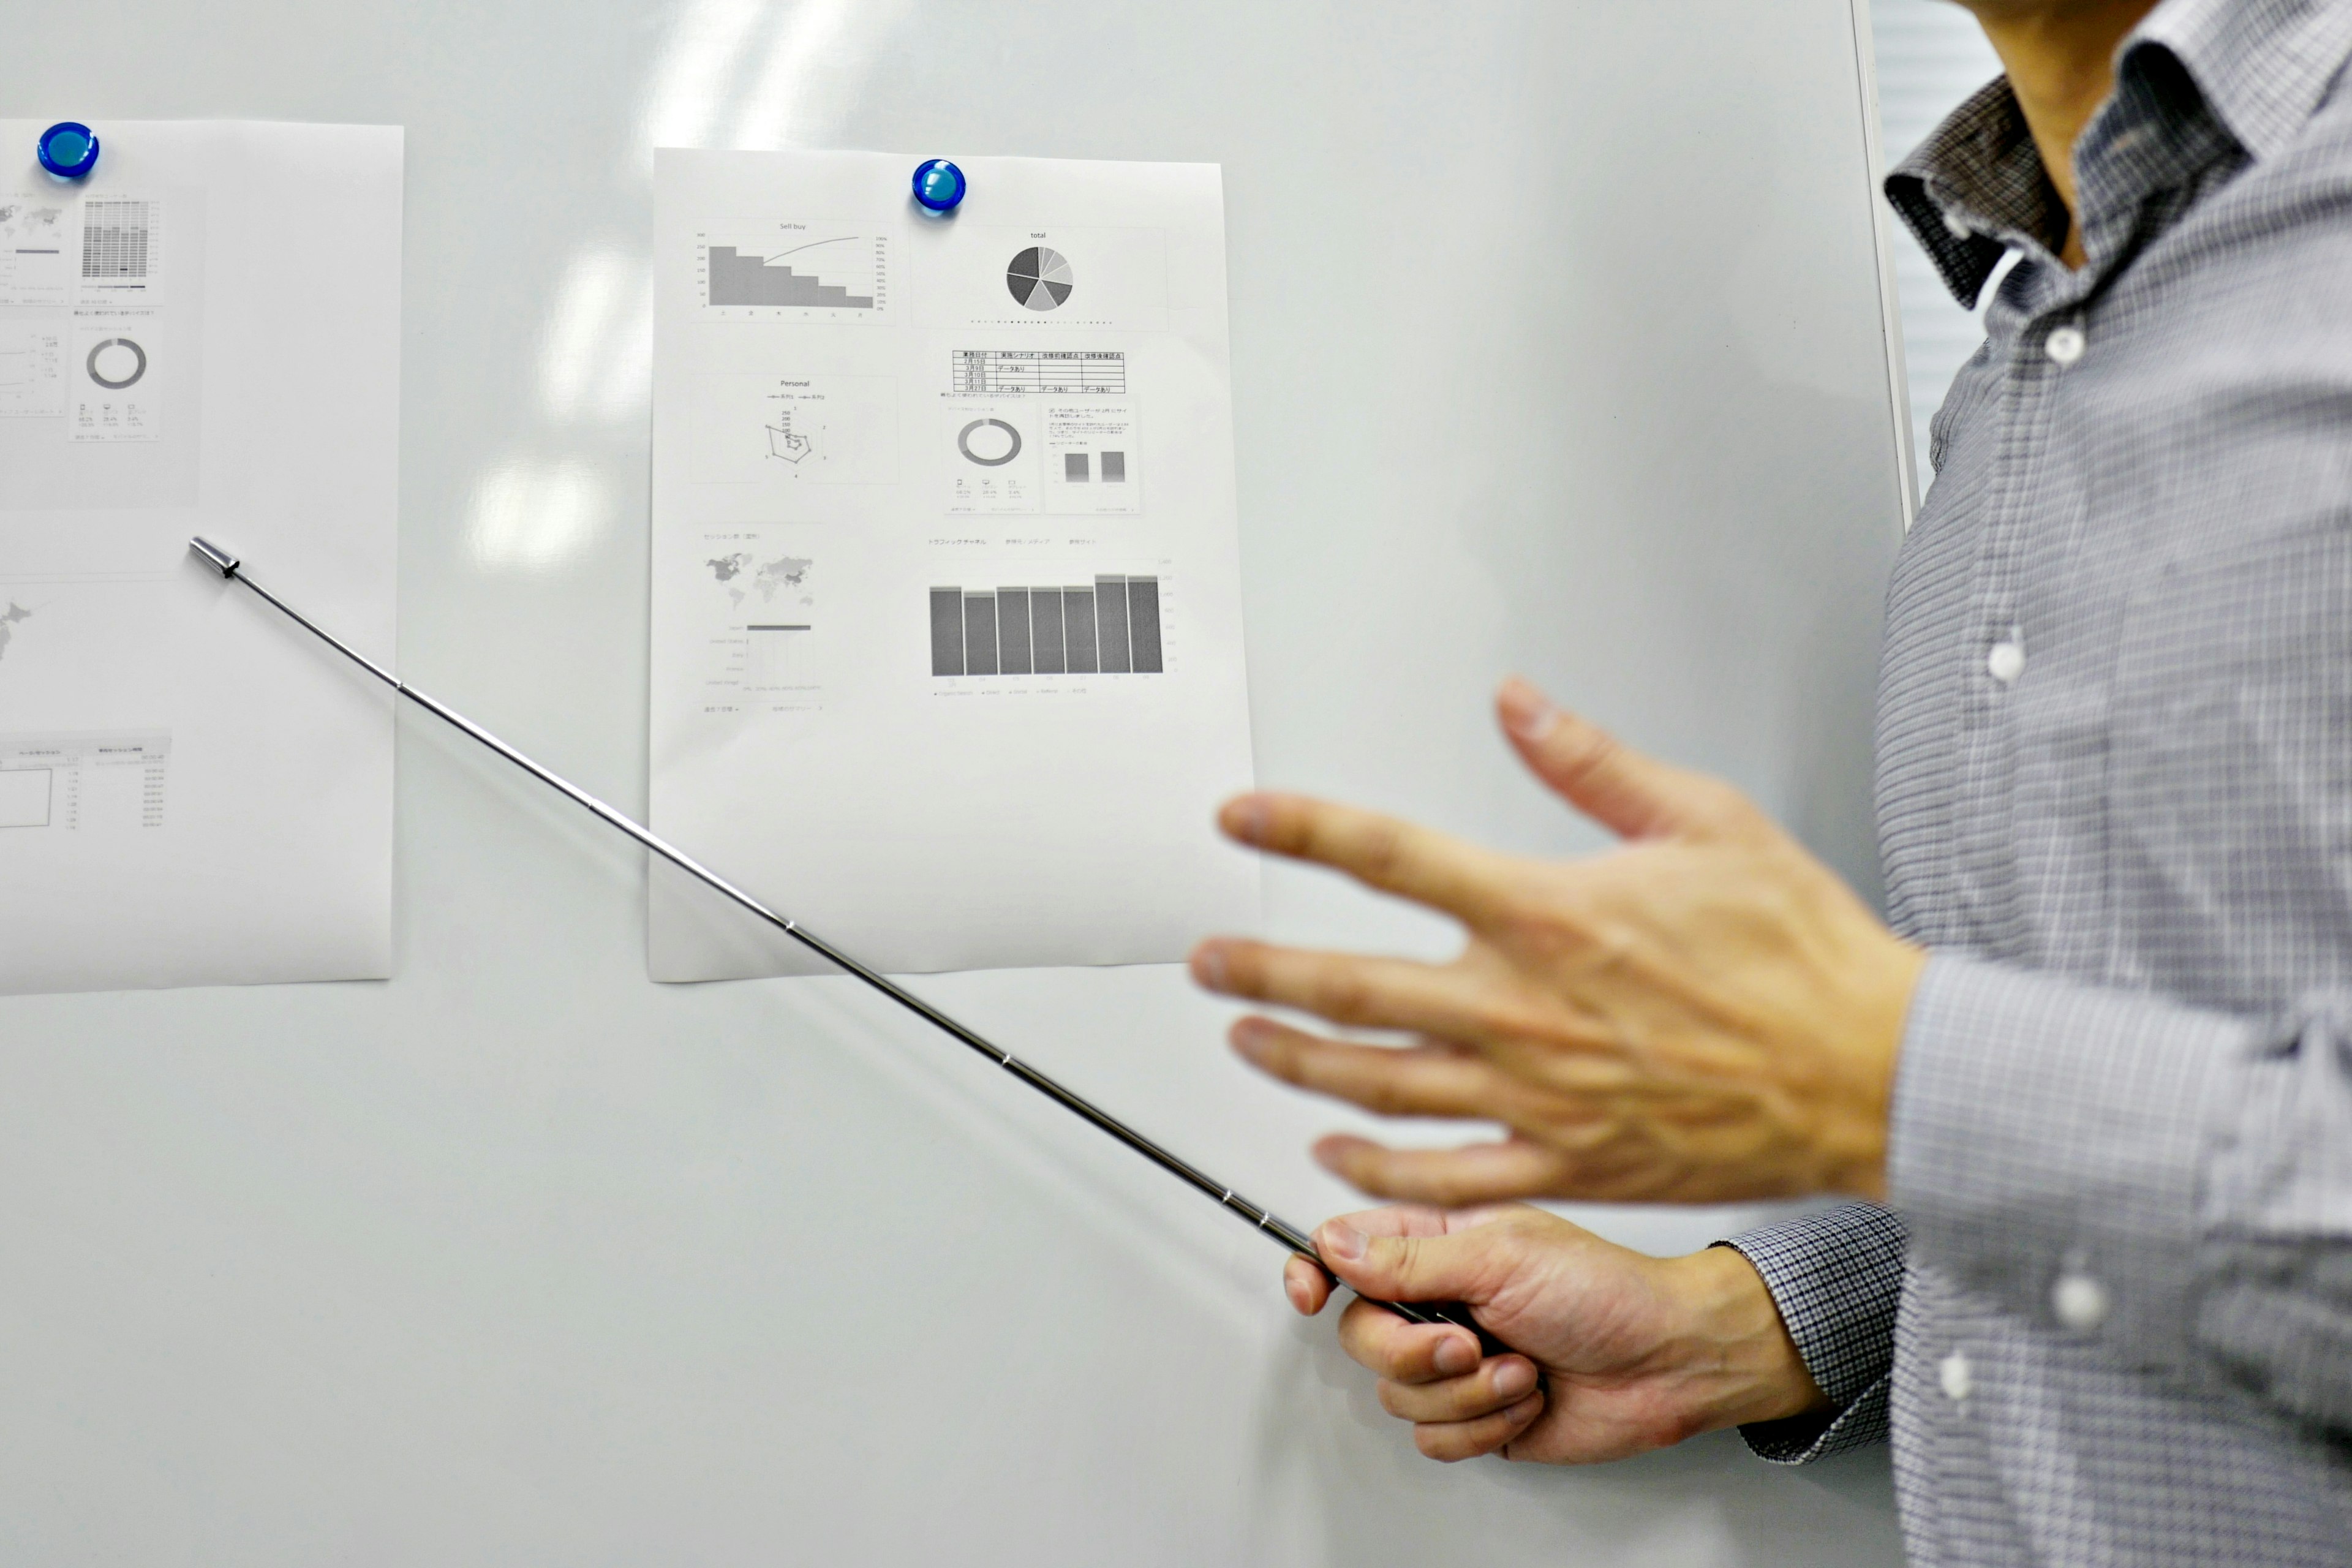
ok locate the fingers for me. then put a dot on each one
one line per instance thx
(1418, 1080)
(1466, 1266)
(1455, 1441)
(1495, 1385)
(1382, 852)
(1461, 1407)
(1632, 794)
(1403, 1352)
(1347, 988)
(1308, 1288)
(1407, 1219)
(1474, 1174)
(1306, 1285)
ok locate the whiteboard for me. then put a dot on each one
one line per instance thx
(1560, 344)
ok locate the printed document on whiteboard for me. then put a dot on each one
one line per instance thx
(947, 632)
(204, 337)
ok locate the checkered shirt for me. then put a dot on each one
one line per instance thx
(2108, 1318)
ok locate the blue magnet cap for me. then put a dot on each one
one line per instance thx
(70, 151)
(939, 185)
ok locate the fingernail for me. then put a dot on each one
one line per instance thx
(1514, 1378)
(1525, 712)
(1245, 817)
(1208, 967)
(1297, 1290)
(1456, 1355)
(1341, 1241)
(1250, 1037)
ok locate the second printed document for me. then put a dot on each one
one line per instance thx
(947, 648)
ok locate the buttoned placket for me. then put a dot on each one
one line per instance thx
(2047, 299)
(2052, 338)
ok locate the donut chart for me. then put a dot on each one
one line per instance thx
(1039, 278)
(135, 370)
(1012, 440)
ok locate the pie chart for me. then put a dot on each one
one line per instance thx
(1039, 278)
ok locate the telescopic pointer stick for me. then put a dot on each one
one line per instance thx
(1285, 1234)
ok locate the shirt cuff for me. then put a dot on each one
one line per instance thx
(2046, 1145)
(1836, 1278)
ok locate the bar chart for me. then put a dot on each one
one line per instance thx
(793, 272)
(1109, 626)
(739, 280)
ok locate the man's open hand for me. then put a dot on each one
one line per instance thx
(1704, 1014)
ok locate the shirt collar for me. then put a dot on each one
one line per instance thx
(2263, 66)
(2195, 80)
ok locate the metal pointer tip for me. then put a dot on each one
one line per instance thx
(219, 560)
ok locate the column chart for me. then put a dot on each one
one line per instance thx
(1111, 627)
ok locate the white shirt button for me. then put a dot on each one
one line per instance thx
(2064, 345)
(2080, 1301)
(1955, 225)
(1956, 1375)
(2005, 662)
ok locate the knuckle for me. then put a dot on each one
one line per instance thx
(1381, 852)
(1341, 992)
(1405, 1259)
(1386, 1092)
(1583, 751)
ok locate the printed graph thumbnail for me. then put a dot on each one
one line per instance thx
(1110, 628)
(793, 272)
(739, 280)
(115, 238)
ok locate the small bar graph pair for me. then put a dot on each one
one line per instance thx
(1111, 629)
(1075, 467)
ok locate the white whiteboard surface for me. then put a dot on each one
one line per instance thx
(1559, 346)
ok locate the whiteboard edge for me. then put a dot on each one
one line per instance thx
(1890, 307)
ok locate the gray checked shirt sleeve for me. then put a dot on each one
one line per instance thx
(2175, 1179)
(1836, 1279)
(2178, 1179)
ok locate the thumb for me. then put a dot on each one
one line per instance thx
(1466, 1266)
(1633, 794)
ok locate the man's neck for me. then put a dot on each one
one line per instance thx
(2060, 56)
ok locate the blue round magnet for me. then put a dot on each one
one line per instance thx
(68, 149)
(939, 185)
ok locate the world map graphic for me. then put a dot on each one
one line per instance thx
(743, 573)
